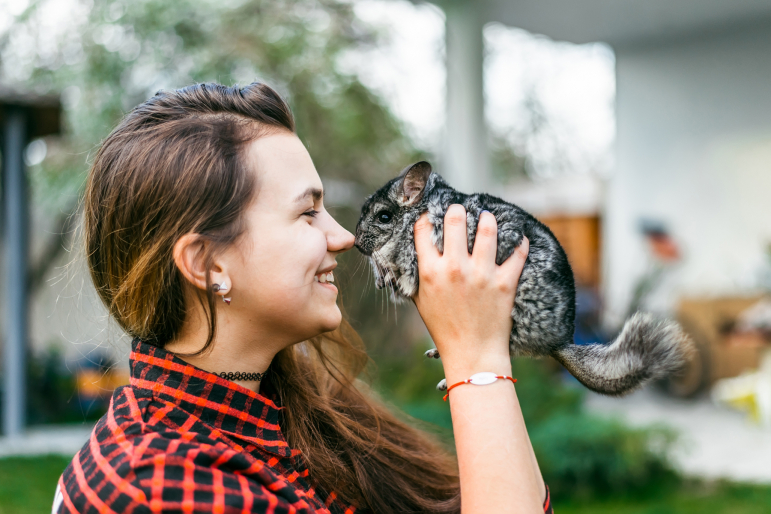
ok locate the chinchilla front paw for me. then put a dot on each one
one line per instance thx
(442, 385)
(433, 353)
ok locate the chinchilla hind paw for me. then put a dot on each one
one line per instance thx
(433, 353)
(442, 385)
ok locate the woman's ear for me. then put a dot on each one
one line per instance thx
(190, 258)
(190, 254)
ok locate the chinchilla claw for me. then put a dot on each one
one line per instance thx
(433, 353)
(442, 385)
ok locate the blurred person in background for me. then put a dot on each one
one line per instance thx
(207, 239)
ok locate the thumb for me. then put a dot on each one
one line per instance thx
(513, 266)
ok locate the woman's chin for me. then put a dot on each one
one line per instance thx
(332, 320)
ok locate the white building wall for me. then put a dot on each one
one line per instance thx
(693, 151)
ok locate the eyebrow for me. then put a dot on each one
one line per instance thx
(316, 193)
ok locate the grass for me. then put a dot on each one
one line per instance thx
(689, 498)
(27, 484)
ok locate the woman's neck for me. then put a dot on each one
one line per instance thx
(235, 348)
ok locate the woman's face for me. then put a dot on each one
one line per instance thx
(291, 240)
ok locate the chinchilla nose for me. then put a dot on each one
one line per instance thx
(359, 244)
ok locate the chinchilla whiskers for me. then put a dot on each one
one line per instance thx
(380, 273)
(379, 268)
(359, 265)
(382, 303)
(391, 297)
(365, 289)
(383, 270)
(377, 273)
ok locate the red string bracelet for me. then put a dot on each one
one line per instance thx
(483, 378)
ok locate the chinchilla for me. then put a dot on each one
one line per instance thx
(544, 307)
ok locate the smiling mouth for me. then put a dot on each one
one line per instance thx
(324, 277)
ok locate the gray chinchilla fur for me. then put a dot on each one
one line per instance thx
(544, 307)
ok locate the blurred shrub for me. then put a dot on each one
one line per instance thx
(59, 394)
(581, 455)
(50, 389)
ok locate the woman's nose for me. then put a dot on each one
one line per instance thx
(339, 239)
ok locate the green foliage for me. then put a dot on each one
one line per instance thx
(409, 383)
(126, 51)
(582, 456)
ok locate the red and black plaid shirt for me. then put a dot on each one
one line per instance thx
(179, 439)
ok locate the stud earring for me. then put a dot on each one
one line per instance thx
(221, 288)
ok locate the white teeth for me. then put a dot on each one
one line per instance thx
(324, 277)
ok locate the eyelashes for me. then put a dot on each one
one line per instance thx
(312, 213)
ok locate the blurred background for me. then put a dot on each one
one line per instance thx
(640, 132)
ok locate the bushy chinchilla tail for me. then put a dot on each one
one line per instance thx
(647, 348)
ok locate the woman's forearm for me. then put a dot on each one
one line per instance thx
(498, 469)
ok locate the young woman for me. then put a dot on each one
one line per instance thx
(207, 239)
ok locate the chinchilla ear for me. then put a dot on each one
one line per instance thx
(414, 178)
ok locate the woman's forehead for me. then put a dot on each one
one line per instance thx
(283, 166)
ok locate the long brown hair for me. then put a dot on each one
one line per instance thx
(175, 165)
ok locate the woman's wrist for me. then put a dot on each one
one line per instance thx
(459, 367)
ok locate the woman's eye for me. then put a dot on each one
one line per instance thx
(383, 217)
(312, 213)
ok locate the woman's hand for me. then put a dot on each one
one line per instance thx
(466, 300)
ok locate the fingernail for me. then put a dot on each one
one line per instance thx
(486, 211)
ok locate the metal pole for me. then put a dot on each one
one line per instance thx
(466, 161)
(15, 202)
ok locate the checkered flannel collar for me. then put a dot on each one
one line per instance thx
(222, 404)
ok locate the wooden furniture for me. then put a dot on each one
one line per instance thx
(720, 352)
(580, 237)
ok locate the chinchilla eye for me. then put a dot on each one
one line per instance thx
(384, 216)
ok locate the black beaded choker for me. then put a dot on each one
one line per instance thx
(237, 375)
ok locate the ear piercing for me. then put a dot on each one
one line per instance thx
(221, 288)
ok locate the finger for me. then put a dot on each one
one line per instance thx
(516, 262)
(455, 239)
(423, 245)
(486, 241)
